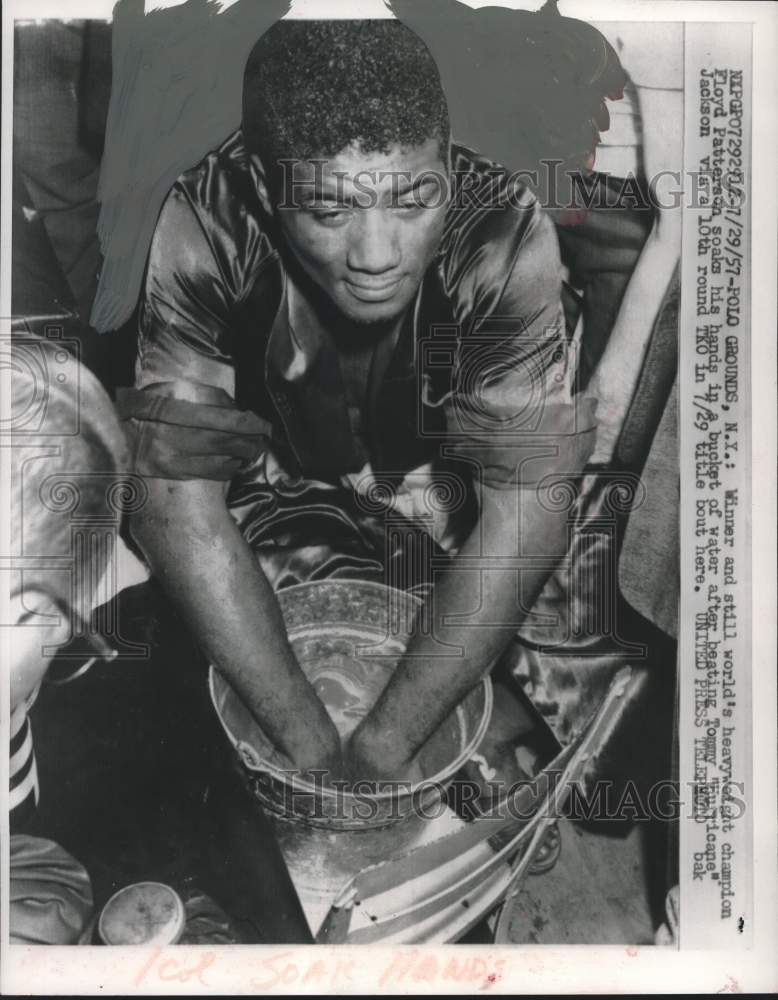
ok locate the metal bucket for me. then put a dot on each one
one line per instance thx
(348, 637)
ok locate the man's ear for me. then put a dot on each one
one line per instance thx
(260, 179)
(449, 161)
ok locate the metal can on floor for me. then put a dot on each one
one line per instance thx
(148, 913)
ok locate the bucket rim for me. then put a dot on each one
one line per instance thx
(303, 785)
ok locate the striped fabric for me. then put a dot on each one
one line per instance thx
(73, 660)
(24, 792)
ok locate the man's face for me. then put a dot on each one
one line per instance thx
(365, 226)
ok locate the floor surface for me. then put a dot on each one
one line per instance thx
(597, 893)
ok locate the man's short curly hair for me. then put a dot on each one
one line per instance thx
(312, 88)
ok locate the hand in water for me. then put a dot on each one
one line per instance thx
(319, 758)
(365, 760)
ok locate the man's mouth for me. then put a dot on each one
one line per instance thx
(373, 291)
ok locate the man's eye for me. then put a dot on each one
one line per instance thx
(330, 214)
(407, 206)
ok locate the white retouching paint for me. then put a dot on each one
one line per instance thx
(307, 9)
(592, 10)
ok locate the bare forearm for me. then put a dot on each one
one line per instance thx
(205, 565)
(484, 596)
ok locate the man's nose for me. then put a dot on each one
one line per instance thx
(375, 245)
